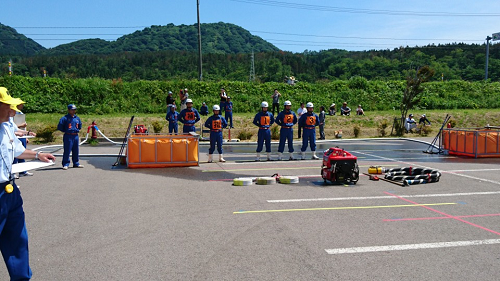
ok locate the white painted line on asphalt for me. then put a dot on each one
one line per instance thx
(472, 170)
(383, 197)
(411, 246)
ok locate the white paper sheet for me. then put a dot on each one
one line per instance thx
(31, 165)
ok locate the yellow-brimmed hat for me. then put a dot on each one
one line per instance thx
(15, 105)
(6, 98)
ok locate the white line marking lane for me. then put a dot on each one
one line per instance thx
(383, 197)
(411, 246)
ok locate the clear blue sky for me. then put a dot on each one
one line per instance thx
(291, 25)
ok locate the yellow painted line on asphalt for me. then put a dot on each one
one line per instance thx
(276, 168)
(340, 208)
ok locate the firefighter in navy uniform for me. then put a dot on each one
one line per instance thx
(70, 125)
(172, 117)
(264, 120)
(13, 233)
(286, 119)
(309, 121)
(216, 123)
(189, 117)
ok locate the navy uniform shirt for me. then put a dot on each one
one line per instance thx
(70, 124)
(264, 120)
(216, 123)
(286, 118)
(172, 117)
(189, 117)
(309, 120)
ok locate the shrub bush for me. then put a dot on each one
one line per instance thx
(245, 135)
(382, 127)
(157, 127)
(46, 134)
(356, 130)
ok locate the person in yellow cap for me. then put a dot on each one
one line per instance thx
(21, 133)
(13, 234)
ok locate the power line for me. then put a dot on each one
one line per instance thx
(322, 8)
(362, 38)
(79, 27)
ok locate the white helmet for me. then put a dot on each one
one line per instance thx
(216, 107)
(309, 104)
(264, 104)
(288, 102)
(189, 100)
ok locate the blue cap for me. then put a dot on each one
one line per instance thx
(71, 106)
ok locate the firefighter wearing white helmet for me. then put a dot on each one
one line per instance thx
(309, 121)
(264, 120)
(286, 119)
(215, 123)
(189, 117)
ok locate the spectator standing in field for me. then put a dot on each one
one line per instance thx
(322, 117)
(204, 109)
(170, 100)
(223, 100)
(344, 110)
(276, 101)
(229, 112)
(302, 110)
(184, 96)
(359, 110)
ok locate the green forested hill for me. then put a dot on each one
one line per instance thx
(13, 43)
(170, 53)
(218, 38)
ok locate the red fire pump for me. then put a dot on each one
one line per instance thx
(339, 166)
(140, 129)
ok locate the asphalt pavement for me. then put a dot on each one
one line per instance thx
(113, 223)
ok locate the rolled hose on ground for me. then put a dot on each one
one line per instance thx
(435, 175)
(266, 180)
(288, 179)
(420, 181)
(242, 181)
(410, 171)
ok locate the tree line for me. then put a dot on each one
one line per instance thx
(450, 62)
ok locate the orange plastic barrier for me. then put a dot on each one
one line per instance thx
(159, 151)
(471, 142)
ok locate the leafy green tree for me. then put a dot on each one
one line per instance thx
(412, 94)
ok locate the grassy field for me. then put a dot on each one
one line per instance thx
(368, 125)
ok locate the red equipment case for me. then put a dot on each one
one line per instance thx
(339, 166)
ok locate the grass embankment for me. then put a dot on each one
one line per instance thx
(116, 125)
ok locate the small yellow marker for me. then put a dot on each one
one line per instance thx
(9, 188)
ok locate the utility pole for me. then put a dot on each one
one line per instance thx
(200, 72)
(252, 69)
(488, 38)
